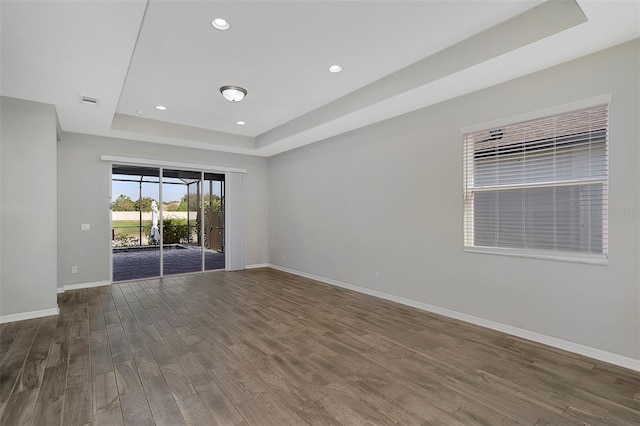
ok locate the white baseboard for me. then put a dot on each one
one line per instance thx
(83, 285)
(29, 315)
(598, 354)
(258, 265)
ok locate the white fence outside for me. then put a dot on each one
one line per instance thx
(118, 216)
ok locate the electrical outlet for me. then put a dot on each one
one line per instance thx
(74, 269)
(376, 275)
(284, 256)
(85, 226)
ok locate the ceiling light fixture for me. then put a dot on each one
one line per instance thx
(161, 107)
(233, 93)
(335, 68)
(240, 123)
(220, 24)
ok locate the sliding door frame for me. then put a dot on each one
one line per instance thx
(229, 173)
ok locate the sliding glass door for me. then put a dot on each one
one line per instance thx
(166, 221)
(135, 247)
(213, 209)
(181, 224)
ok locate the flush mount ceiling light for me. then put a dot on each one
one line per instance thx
(161, 107)
(335, 68)
(233, 93)
(220, 24)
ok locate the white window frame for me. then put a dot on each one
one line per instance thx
(468, 189)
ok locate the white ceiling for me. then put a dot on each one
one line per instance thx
(397, 56)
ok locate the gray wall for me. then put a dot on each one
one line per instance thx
(84, 186)
(388, 198)
(28, 206)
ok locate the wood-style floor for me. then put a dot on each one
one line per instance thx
(262, 347)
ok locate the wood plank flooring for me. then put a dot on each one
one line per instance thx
(262, 347)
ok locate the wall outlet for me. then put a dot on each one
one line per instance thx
(376, 275)
(284, 256)
(74, 269)
(85, 227)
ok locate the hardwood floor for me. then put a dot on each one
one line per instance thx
(262, 347)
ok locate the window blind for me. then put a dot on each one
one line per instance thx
(539, 184)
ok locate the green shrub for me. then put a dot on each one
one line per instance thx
(175, 231)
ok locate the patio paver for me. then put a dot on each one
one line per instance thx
(131, 265)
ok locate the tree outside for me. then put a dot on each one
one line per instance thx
(123, 204)
(171, 206)
(144, 204)
(192, 202)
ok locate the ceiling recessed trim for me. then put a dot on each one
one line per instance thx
(142, 63)
(494, 42)
(156, 130)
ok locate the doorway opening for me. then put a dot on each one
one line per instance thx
(166, 222)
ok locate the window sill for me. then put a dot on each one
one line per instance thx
(592, 259)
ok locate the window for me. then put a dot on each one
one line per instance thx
(539, 188)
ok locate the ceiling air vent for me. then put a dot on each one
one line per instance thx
(89, 101)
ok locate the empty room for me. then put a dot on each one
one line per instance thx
(320, 212)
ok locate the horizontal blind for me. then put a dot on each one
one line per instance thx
(539, 184)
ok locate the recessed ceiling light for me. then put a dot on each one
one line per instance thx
(161, 107)
(240, 123)
(233, 93)
(220, 24)
(335, 68)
